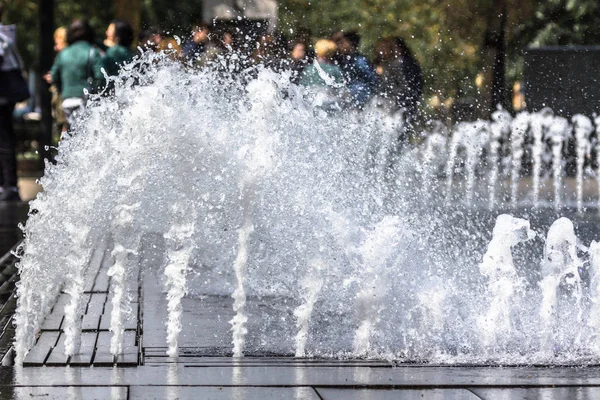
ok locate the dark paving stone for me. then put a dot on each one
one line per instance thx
(370, 394)
(11, 214)
(221, 393)
(93, 314)
(103, 356)
(579, 393)
(57, 355)
(68, 392)
(94, 266)
(409, 377)
(39, 353)
(86, 351)
(54, 320)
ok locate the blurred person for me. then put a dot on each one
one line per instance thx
(77, 68)
(311, 76)
(298, 61)
(268, 52)
(60, 39)
(120, 34)
(199, 42)
(393, 85)
(303, 35)
(13, 89)
(169, 46)
(150, 38)
(60, 42)
(414, 79)
(359, 74)
(228, 40)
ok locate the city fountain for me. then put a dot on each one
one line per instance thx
(262, 195)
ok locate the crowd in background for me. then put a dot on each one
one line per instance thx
(80, 62)
(393, 76)
(334, 64)
(83, 65)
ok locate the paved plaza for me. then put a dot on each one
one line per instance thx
(204, 368)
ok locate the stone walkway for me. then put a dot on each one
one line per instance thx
(145, 372)
(204, 369)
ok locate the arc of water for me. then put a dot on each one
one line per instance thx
(559, 130)
(180, 248)
(435, 142)
(594, 317)
(77, 261)
(583, 129)
(537, 129)
(597, 148)
(258, 160)
(310, 287)
(519, 128)
(476, 136)
(238, 322)
(560, 263)
(454, 144)
(74, 310)
(376, 250)
(126, 245)
(33, 306)
(503, 281)
(499, 127)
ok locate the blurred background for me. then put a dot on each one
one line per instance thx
(474, 54)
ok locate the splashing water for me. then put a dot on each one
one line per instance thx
(539, 126)
(560, 270)
(519, 127)
(181, 246)
(503, 280)
(597, 147)
(558, 133)
(268, 197)
(499, 128)
(583, 128)
(311, 286)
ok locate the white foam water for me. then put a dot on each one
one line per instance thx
(582, 128)
(270, 197)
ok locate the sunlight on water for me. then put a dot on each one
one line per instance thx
(264, 195)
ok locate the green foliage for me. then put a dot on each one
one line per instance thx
(447, 36)
(177, 17)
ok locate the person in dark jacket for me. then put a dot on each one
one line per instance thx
(13, 89)
(414, 79)
(360, 76)
(401, 77)
(120, 35)
(198, 44)
(77, 68)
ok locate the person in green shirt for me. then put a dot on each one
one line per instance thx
(325, 73)
(119, 37)
(77, 69)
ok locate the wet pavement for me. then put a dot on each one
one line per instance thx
(204, 369)
(202, 372)
(11, 214)
(239, 381)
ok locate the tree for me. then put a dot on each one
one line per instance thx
(455, 40)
